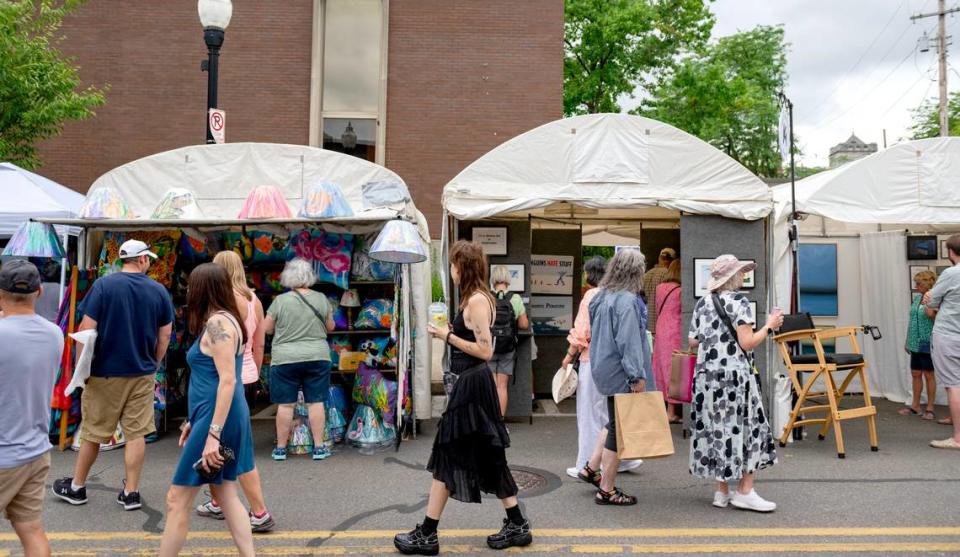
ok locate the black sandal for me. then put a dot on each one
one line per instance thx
(616, 498)
(590, 476)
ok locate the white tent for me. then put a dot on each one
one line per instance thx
(221, 177)
(27, 195)
(610, 166)
(865, 206)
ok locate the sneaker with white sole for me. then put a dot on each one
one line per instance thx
(210, 510)
(721, 500)
(628, 465)
(752, 502)
(261, 524)
(572, 472)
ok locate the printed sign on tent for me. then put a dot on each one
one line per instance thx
(218, 125)
(551, 274)
(551, 315)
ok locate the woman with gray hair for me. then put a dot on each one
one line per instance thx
(299, 321)
(620, 362)
(511, 316)
(731, 437)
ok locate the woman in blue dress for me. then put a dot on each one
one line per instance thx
(219, 416)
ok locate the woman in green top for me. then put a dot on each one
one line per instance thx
(918, 346)
(300, 356)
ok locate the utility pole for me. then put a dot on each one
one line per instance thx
(941, 14)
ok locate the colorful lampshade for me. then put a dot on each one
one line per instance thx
(178, 203)
(399, 242)
(35, 239)
(265, 202)
(325, 200)
(350, 298)
(106, 203)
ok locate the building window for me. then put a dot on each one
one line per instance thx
(348, 96)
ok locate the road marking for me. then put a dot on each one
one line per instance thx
(754, 548)
(849, 532)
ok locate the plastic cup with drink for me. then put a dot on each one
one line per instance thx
(438, 314)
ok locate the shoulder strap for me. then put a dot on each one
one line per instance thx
(667, 297)
(309, 305)
(718, 304)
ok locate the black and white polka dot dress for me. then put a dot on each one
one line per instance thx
(731, 435)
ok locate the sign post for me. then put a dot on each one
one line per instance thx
(217, 120)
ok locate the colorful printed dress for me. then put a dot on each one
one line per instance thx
(731, 435)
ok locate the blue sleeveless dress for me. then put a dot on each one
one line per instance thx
(236, 434)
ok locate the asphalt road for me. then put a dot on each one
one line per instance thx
(904, 499)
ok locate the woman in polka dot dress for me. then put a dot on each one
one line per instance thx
(731, 435)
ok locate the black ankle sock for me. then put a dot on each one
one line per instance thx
(514, 514)
(429, 525)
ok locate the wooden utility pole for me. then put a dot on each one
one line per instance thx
(941, 14)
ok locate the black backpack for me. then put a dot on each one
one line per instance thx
(505, 325)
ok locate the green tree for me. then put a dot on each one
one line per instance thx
(926, 117)
(727, 95)
(612, 47)
(39, 86)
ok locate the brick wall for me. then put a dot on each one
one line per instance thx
(149, 53)
(465, 76)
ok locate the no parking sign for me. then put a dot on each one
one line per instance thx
(218, 125)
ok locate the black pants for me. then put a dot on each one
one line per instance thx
(611, 442)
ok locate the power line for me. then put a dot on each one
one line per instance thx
(905, 93)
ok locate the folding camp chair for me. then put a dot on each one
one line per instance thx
(798, 328)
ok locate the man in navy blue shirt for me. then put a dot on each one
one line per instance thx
(133, 316)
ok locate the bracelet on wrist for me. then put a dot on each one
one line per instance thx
(216, 428)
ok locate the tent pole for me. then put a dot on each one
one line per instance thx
(794, 236)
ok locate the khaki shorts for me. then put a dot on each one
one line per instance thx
(21, 490)
(108, 401)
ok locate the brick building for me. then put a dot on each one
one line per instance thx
(425, 86)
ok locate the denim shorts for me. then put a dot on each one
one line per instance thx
(312, 377)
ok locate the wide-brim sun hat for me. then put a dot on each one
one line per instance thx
(564, 383)
(725, 268)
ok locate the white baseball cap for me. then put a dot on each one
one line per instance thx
(135, 248)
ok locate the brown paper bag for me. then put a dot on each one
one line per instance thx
(643, 430)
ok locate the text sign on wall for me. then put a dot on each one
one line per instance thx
(551, 274)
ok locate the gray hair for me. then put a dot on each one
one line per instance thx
(595, 268)
(499, 275)
(733, 284)
(625, 272)
(298, 273)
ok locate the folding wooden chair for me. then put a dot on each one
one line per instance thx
(798, 328)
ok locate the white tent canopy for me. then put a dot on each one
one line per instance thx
(612, 166)
(221, 177)
(914, 186)
(27, 195)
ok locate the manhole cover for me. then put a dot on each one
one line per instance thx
(528, 481)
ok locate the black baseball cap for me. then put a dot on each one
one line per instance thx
(19, 277)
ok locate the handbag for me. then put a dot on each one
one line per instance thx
(643, 430)
(682, 366)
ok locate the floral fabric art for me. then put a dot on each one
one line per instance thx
(375, 314)
(163, 243)
(329, 252)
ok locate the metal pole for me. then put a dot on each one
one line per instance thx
(794, 233)
(214, 39)
(942, 55)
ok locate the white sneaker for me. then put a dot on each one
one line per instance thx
(721, 499)
(628, 465)
(752, 502)
(572, 472)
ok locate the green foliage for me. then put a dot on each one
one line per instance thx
(605, 252)
(39, 86)
(436, 283)
(805, 171)
(926, 118)
(727, 95)
(614, 46)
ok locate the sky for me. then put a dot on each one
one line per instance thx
(854, 65)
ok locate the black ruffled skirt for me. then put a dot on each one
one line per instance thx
(469, 450)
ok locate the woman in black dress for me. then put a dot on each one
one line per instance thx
(468, 452)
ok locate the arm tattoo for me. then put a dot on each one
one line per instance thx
(216, 332)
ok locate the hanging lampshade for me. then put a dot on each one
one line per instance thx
(399, 242)
(35, 239)
(178, 203)
(325, 200)
(106, 203)
(265, 202)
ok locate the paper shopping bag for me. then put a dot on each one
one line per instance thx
(642, 427)
(681, 376)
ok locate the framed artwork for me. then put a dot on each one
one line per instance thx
(492, 239)
(818, 285)
(943, 250)
(551, 315)
(921, 247)
(749, 282)
(551, 274)
(941, 269)
(753, 308)
(701, 277)
(517, 276)
(914, 269)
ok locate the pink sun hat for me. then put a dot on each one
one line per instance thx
(725, 268)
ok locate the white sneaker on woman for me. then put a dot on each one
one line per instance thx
(752, 502)
(721, 499)
(572, 472)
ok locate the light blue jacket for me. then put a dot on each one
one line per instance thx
(619, 351)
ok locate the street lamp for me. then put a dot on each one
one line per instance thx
(215, 17)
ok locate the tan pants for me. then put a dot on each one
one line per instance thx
(108, 401)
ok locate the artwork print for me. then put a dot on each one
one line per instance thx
(818, 285)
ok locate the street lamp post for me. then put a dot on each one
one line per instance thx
(215, 17)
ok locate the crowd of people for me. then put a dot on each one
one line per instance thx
(731, 437)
